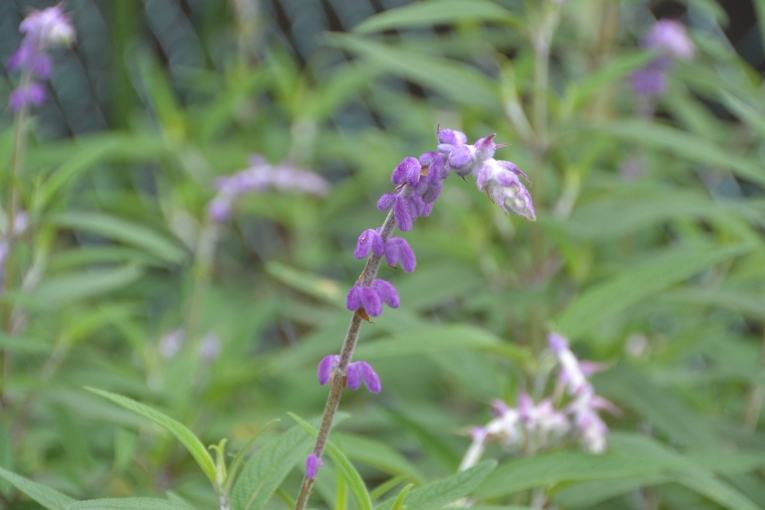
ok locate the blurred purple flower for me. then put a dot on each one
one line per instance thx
(171, 343)
(670, 38)
(42, 30)
(210, 347)
(259, 177)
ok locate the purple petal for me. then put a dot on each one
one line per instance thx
(416, 206)
(392, 251)
(452, 137)
(364, 244)
(427, 209)
(428, 158)
(312, 464)
(459, 157)
(486, 146)
(325, 368)
(434, 191)
(353, 301)
(408, 260)
(506, 179)
(219, 209)
(353, 378)
(370, 377)
(386, 201)
(32, 94)
(407, 172)
(371, 301)
(388, 292)
(378, 245)
(422, 185)
(482, 176)
(557, 342)
(507, 165)
(402, 215)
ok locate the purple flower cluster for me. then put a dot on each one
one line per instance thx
(259, 177)
(418, 184)
(42, 30)
(671, 40)
(541, 425)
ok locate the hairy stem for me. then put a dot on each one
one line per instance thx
(337, 383)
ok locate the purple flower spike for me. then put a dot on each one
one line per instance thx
(312, 465)
(371, 301)
(402, 214)
(398, 250)
(353, 301)
(387, 292)
(369, 241)
(326, 365)
(369, 376)
(386, 201)
(407, 172)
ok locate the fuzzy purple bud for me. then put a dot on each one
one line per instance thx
(402, 214)
(326, 365)
(387, 293)
(371, 301)
(312, 465)
(459, 157)
(451, 137)
(398, 250)
(370, 241)
(386, 201)
(432, 193)
(407, 172)
(369, 376)
(353, 300)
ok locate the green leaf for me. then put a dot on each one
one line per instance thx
(589, 494)
(714, 489)
(183, 434)
(23, 344)
(691, 147)
(47, 497)
(628, 287)
(267, 469)
(441, 339)
(76, 285)
(123, 231)
(438, 13)
(544, 470)
(233, 468)
(443, 492)
(343, 465)
(380, 455)
(321, 288)
(457, 81)
(127, 504)
(398, 504)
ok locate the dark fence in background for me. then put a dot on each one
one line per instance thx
(91, 87)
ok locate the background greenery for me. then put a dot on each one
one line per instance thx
(648, 252)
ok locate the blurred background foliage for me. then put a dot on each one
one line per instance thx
(648, 252)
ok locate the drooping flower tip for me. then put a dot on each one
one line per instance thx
(219, 209)
(670, 35)
(312, 465)
(361, 371)
(326, 366)
(500, 180)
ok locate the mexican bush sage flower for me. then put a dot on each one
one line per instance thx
(42, 30)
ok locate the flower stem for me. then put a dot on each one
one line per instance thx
(337, 383)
